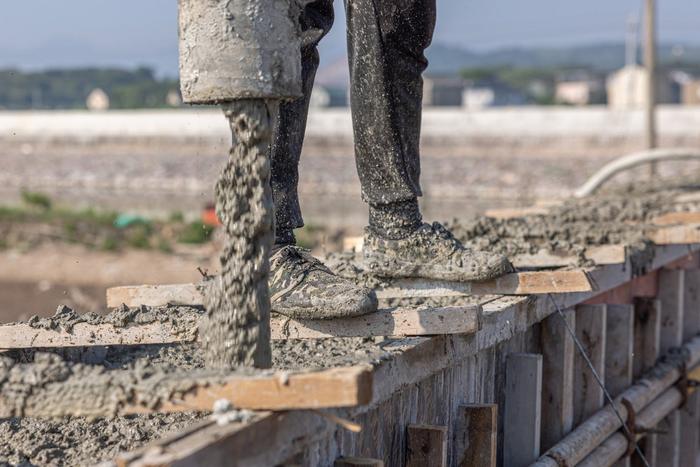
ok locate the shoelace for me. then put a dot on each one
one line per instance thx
(290, 261)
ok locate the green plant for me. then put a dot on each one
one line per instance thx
(195, 233)
(109, 244)
(36, 199)
(138, 236)
(177, 217)
(164, 245)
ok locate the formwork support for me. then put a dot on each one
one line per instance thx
(591, 332)
(476, 435)
(522, 417)
(618, 353)
(427, 446)
(558, 371)
(689, 414)
(647, 341)
(671, 295)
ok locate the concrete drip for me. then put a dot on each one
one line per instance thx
(236, 330)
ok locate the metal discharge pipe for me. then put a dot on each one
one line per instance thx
(246, 56)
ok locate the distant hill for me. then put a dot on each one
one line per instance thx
(69, 88)
(603, 57)
(451, 59)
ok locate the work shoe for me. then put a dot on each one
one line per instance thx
(431, 252)
(302, 287)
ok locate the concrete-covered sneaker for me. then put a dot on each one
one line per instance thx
(302, 287)
(430, 252)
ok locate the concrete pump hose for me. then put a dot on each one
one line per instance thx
(633, 160)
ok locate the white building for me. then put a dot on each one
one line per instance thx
(627, 88)
(97, 100)
(575, 92)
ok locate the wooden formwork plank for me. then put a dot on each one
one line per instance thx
(155, 295)
(522, 283)
(23, 336)
(676, 235)
(256, 443)
(619, 348)
(427, 446)
(419, 321)
(671, 296)
(600, 255)
(400, 321)
(522, 416)
(558, 371)
(476, 435)
(647, 341)
(358, 462)
(591, 332)
(678, 218)
(198, 391)
(690, 413)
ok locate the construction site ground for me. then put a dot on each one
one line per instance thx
(631, 217)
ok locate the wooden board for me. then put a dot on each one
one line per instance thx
(676, 235)
(600, 255)
(154, 295)
(405, 321)
(647, 334)
(336, 387)
(558, 373)
(619, 348)
(522, 416)
(476, 435)
(678, 218)
(402, 321)
(427, 446)
(521, 283)
(671, 295)
(23, 336)
(690, 413)
(591, 332)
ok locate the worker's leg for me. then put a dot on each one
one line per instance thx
(300, 285)
(316, 21)
(386, 43)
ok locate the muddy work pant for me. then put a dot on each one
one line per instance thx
(386, 44)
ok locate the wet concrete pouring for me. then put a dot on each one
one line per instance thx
(605, 219)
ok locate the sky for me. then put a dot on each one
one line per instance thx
(40, 34)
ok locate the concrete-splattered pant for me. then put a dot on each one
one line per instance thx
(386, 41)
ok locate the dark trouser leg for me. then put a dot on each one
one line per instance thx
(386, 41)
(316, 20)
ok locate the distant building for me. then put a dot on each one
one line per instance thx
(627, 88)
(443, 90)
(690, 92)
(581, 92)
(97, 100)
(173, 98)
(481, 95)
(328, 96)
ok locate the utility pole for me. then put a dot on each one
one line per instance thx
(650, 66)
(632, 40)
